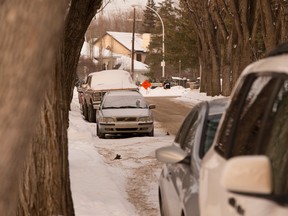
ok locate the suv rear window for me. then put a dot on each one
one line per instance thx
(276, 147)
(256, 123)
(247, 115)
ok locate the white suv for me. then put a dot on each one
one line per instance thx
(245, 172)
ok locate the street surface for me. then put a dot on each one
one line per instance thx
(169, 112)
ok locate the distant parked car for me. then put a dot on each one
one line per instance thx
(178, 183)
(245, 172)
(124, 112)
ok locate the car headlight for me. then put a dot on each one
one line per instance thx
(146, 119)
(106, 119)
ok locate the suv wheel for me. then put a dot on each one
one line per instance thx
(91, 114)
(84, 110)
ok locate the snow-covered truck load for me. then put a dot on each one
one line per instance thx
(97, 84)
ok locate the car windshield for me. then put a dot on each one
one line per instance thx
(211, 127)
(124, 101)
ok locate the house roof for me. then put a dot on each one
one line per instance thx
(125, 38)
(123, 60)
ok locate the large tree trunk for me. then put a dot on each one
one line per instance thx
(274, 22)
(269, 27)
(227, 66)
(27, 62)
(282, 22)
(205, 66)
(214, 51)
(45, 188)
(224, 41)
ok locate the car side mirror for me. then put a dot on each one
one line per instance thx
(248, 174)
(170, 154)
(152, 106)
(84, 85)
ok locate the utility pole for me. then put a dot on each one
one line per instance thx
(133, 40)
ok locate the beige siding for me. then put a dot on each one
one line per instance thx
(107, 42)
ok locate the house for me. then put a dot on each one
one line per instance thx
(113, 50)
(121, 43)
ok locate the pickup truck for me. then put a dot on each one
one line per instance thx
(97, 84)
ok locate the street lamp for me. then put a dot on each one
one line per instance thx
(163, 40)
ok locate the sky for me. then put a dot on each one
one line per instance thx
(101, 185)
(116, 5)
(126, 5)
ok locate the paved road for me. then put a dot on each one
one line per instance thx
(169, 112)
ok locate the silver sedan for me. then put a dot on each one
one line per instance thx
(124, 112)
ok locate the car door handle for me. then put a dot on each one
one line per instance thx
(168, 177)
(233, 202)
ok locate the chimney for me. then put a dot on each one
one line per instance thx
(146, 37)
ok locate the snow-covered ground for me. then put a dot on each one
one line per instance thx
(104, 186)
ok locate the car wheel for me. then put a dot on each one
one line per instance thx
(97, 130)
(91, 113)
(99, 134)
(84, 108)
(151, 134)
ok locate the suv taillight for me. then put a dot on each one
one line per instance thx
(96, 96)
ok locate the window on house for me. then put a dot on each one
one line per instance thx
(138, 57)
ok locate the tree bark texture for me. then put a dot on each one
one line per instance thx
(45, 186)
(26, 64)
(237, 33)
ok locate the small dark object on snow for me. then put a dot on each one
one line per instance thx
(117, 157)
(167, 133)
